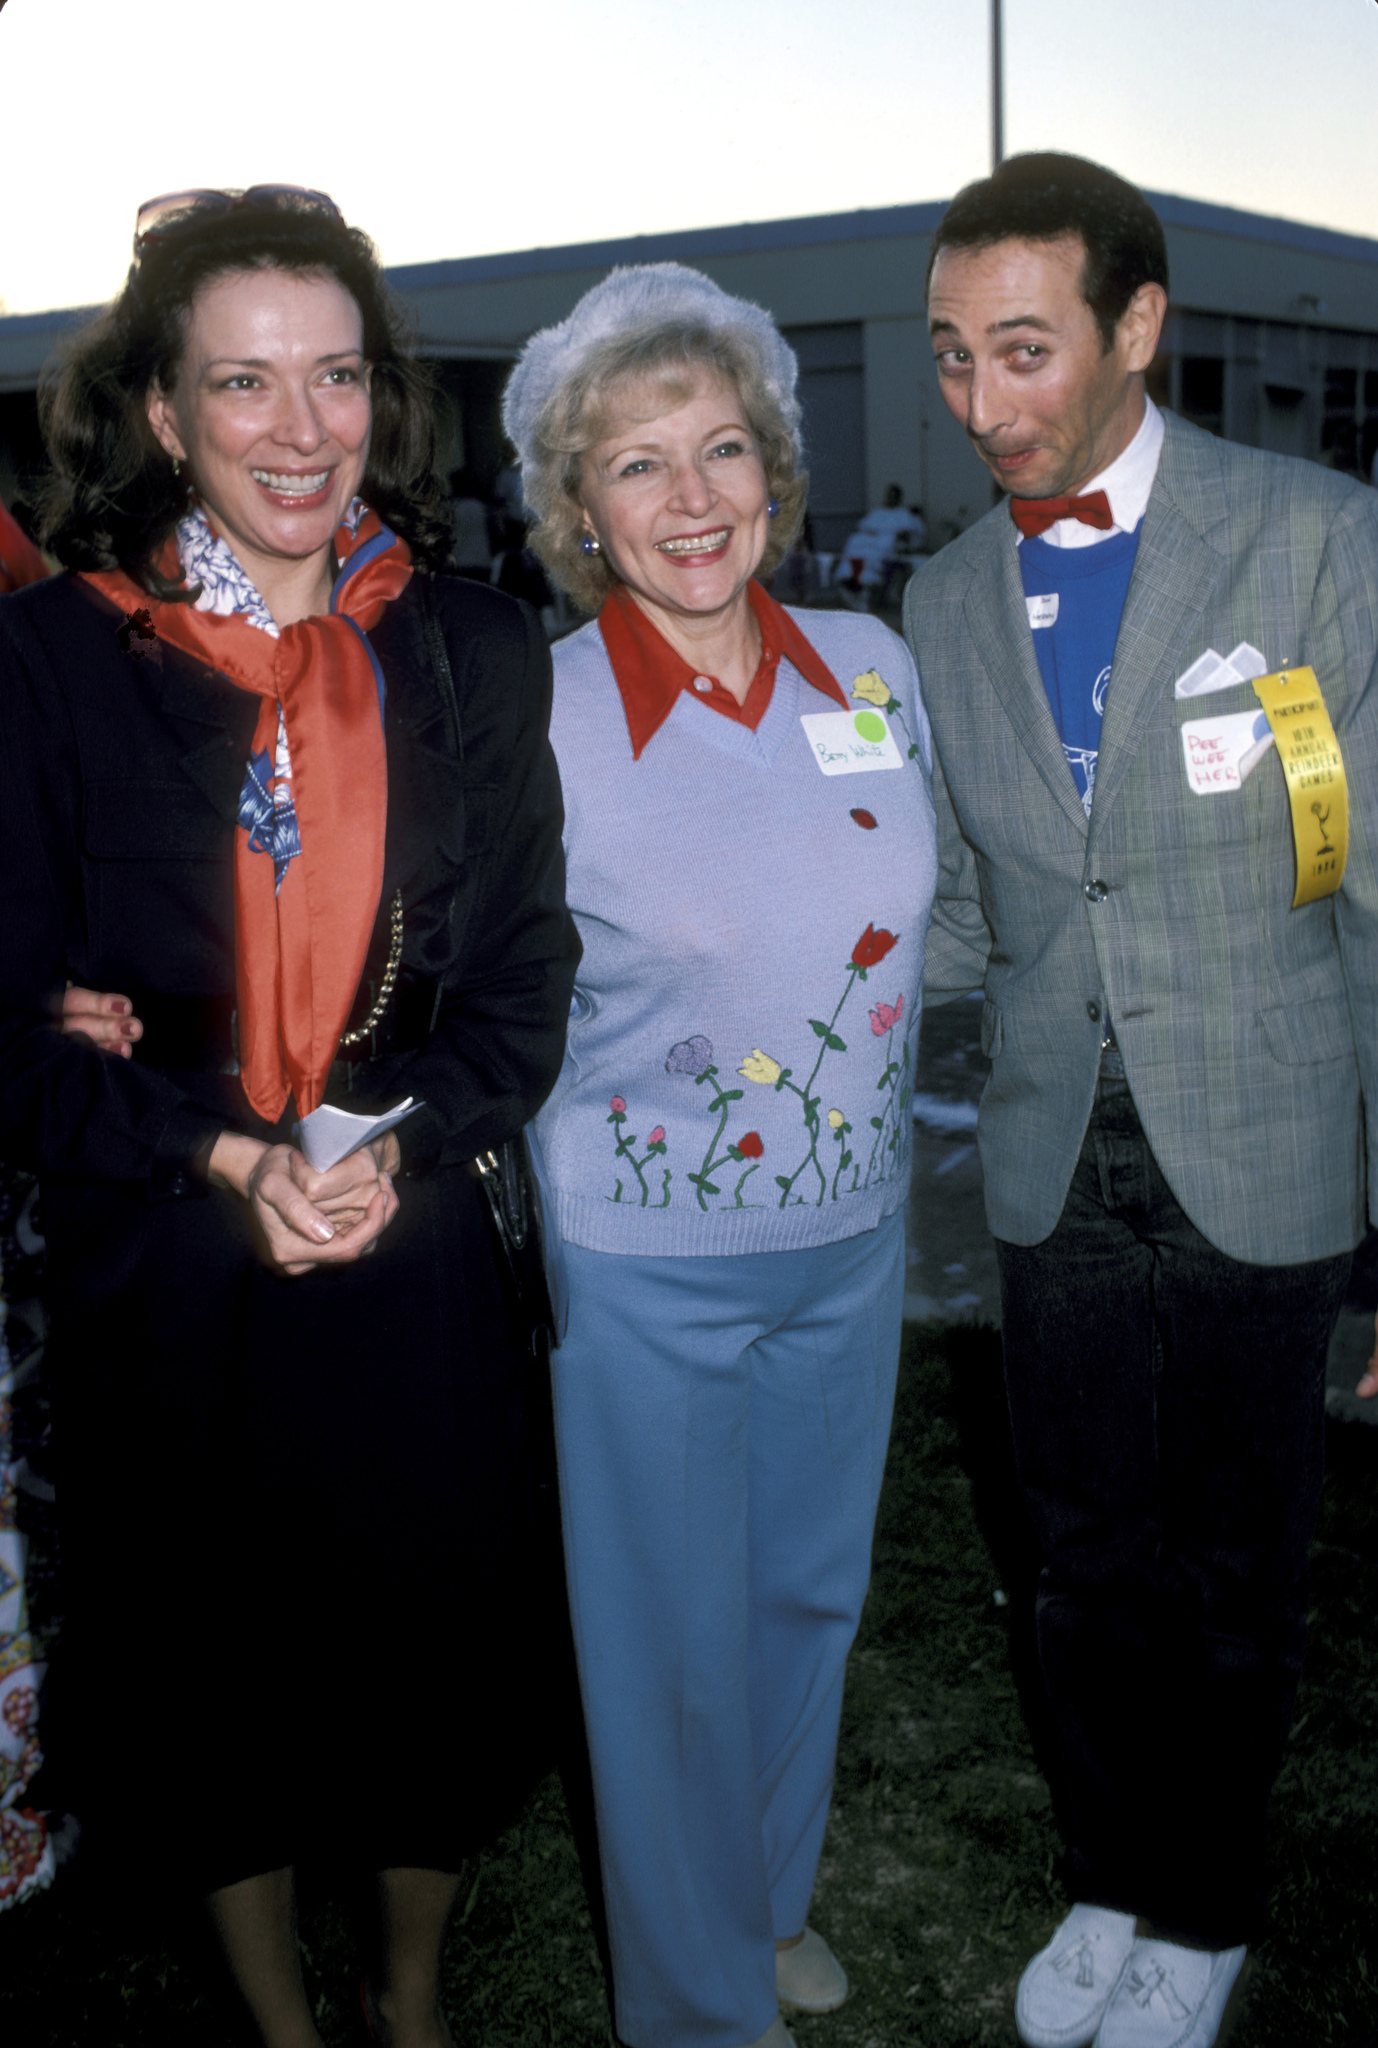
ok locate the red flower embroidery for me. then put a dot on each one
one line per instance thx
(750, 1146)
(872, 946)
(886, 1016)
(618, 1105)
(657, 1136)
(865, 820)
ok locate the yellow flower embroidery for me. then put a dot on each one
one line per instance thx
(759, 1066)
(872, 688)
(836, 1119)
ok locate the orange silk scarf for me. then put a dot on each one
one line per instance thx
(300, 950)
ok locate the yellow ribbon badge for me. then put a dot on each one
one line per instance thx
(1315, 772)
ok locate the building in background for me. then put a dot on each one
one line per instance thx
(1272, 339)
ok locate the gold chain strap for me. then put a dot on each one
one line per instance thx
(389, 982)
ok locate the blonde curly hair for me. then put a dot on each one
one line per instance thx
(644, 337)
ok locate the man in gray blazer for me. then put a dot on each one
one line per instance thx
(1183, 1086)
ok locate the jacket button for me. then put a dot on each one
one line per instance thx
(1093, 1012)
(1095, 892)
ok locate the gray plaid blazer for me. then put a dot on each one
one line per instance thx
(1247, 1027)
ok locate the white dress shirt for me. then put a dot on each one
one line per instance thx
(1127, 482)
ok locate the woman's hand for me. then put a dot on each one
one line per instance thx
(311, 1219)
(107, 1020)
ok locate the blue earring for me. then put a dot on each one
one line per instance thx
(590, 545)
(772, 508)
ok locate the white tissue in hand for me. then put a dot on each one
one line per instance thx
(329, 1135)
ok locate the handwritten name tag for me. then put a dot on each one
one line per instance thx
(1221, 752)
(1042, 610)
(850, 742)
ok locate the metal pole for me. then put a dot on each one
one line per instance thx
(997, 88)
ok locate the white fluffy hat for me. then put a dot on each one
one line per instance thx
(635, 299)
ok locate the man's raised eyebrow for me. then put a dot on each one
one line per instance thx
(1021, 320)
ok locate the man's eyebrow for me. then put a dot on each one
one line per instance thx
(1022, 320)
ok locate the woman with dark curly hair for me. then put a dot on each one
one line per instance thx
(289, 791)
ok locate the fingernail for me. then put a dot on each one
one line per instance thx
(121, 1007)
(322, 1231)
(127, 1030)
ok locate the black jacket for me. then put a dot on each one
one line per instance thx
(122, 769)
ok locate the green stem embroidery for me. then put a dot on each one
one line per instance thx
(626, 1140)
(845, 1159)
(827, 1041)
(739, 1203)
(894, 706)
(719, 1107)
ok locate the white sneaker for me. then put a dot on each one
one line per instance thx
(1170, 1997)
(808, 1977)
(1064, 1993)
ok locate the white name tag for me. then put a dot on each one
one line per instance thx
(1212, 671)
(1042, 610)
(1221, 752)
(850, 742)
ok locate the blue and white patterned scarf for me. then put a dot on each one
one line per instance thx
(266, 810)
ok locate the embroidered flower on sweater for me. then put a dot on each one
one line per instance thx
(691, 1056)
(656, 1148)
(872, 947)
(869, 686)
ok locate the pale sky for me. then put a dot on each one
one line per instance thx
(449, 128)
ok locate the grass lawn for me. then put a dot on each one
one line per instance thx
(940, 1873)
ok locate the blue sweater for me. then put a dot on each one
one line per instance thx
(741, 1043)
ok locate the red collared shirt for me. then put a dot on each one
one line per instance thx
(650, 673)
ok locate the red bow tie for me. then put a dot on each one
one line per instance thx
(1035, 515)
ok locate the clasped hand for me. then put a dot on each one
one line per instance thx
(307, 1219)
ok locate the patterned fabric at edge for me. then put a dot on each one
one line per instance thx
(27, 1859)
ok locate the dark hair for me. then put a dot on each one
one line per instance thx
(1044, 196)
(113, 497)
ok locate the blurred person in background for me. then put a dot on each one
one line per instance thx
(469, 515)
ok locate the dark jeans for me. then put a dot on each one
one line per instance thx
(1168, 1413)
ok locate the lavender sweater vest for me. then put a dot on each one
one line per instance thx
(740, 1060)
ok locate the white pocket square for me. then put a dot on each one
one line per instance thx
(1220, 671)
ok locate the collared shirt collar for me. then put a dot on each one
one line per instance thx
(1127, 483)
(651, 674)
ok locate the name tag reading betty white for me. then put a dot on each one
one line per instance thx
(850, 742)
(1221, 752)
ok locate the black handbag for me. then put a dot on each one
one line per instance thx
(513, 1176)
(512, 1180)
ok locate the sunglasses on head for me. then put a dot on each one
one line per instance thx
(156, 217)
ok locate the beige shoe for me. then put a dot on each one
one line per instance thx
(808, 1977)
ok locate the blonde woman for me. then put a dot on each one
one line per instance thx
(750, 852)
